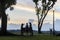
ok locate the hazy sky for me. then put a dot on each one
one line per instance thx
(25, 10)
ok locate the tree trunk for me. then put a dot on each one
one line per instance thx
(4, 23)
(38, 24)
(39, 30)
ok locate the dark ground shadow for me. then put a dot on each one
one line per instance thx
(8, 34)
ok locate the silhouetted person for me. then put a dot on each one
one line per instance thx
(22, 28)
(31, 28)
(50, 31)
(27, 27)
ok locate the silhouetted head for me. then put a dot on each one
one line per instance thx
(30, 23)
(22, 24)
(26, 23)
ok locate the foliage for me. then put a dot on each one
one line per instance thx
(4, 4)
(43, 11)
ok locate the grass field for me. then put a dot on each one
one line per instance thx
(35, 37)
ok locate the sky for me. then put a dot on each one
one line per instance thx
(25, 10)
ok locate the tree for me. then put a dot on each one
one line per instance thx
(42, 12)
(4, 4)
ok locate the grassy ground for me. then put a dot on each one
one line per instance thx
(35, 37)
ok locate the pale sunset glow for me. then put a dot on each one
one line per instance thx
(32, 9)
(24, 7)
(24, 11)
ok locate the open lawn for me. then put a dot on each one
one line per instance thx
(35, 37)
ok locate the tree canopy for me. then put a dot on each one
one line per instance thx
(7, 3)
(42, 10)
(4, 4)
